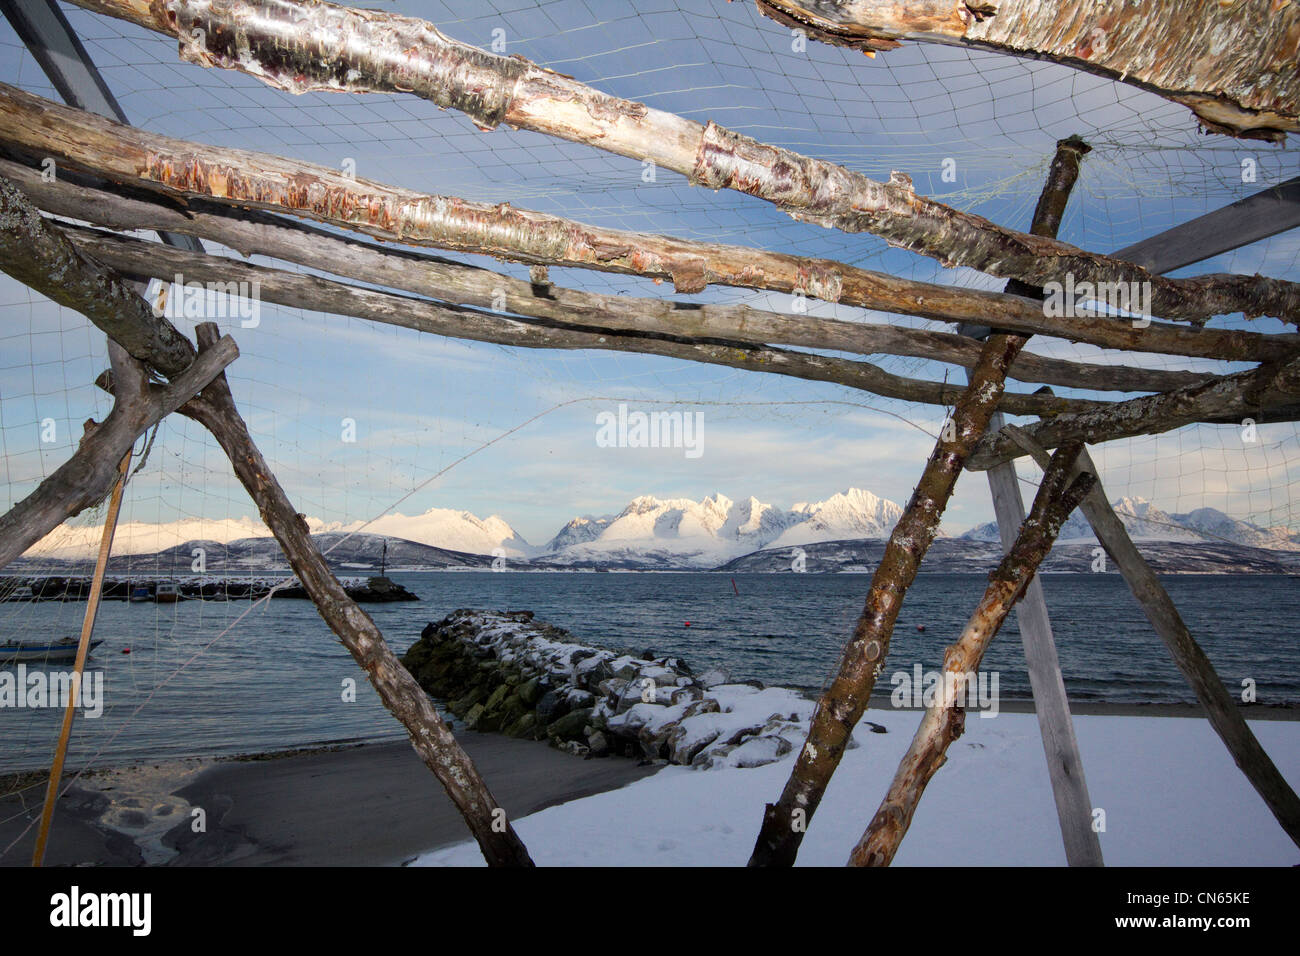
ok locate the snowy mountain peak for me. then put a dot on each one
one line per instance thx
(1145, 522)
(707, 532)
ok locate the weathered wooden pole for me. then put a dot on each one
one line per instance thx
(841, 706)
(244, 178)
(944, 721)
(1159, 608)
(1274, 387)
(215, 409)
(49, 262)
(40, 255)
(1051, 705)
(426, 274)
(298, 46)
(304, 291)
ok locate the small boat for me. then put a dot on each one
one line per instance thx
(140, 594)
(165, 593)
(46, 652)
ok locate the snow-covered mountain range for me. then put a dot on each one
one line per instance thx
(1146, 522)
(662, 533)
(683, 532)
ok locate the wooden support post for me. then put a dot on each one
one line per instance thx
(84, 479)
(215, 409)
(1051, 705)
(1159, 609)
(944, 721)
(846, 699)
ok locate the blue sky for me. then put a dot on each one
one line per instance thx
(421, 402)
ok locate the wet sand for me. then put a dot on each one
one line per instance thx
(367, 805)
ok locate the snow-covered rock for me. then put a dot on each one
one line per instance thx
(506, 672)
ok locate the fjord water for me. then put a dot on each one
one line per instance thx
(279, 678)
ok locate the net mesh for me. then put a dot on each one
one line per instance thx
(974, 130)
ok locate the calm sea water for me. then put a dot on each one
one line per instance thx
(277, 678)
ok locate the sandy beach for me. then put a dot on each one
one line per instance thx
(365, 805)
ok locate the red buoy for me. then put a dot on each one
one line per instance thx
(688, 623)
(920, 627)
(126, 650)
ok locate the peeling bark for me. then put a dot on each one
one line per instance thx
(1233, 64)
(215, 409)
(296, 46)
(410, 271)
(944, 722)
(239, 178)
(1270, 392)
(148, 259)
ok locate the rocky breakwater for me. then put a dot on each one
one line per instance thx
(505, 672)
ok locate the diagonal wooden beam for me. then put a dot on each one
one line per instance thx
(944, 721)
(1051, 703)
(1159, 608)
(1266, 213)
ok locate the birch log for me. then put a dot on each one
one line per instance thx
(844, 702)
(1233, 64)
(149, 259)
(257, 233)
(240, 178)
(1272, 391)
(215, 409)
(299, 46)
(1058, 495)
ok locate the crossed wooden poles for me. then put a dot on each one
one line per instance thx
(231, 195)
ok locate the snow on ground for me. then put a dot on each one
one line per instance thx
(1171, 793)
